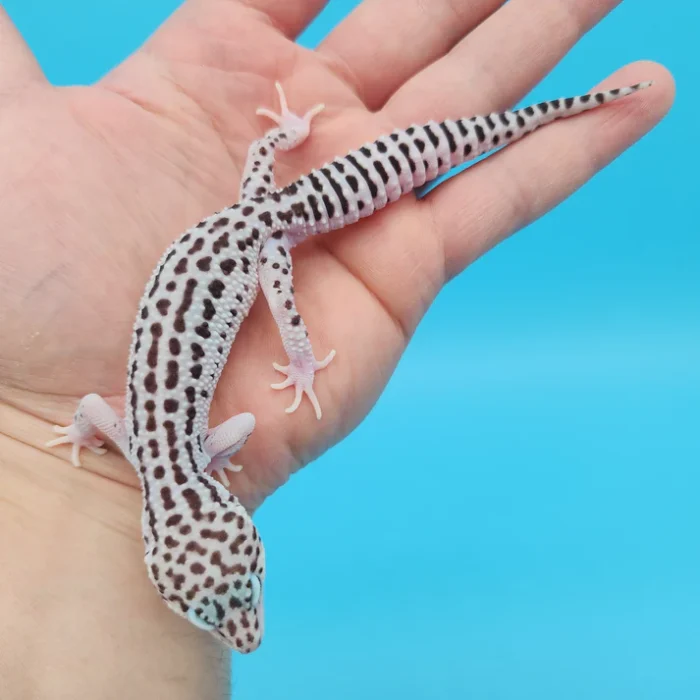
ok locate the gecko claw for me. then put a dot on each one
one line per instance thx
(301, 377)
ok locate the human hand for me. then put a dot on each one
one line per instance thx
(97, 181)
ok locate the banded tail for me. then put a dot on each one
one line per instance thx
(354, 186)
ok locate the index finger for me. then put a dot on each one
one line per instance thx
(18, 67)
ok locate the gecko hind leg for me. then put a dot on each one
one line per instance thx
(93, 415)
(225, 440)
(275, 274)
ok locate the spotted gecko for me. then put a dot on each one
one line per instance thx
(203, 553)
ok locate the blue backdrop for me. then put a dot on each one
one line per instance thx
(538, 536)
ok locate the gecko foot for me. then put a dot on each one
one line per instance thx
(218, 467)
(301, 377)
(73, 436)
(295, 127)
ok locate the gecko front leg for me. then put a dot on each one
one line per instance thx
(291, 131)
(92, 415)
(225, 440)
(275, 275)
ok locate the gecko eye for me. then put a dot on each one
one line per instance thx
(256, 590)
(197, 621)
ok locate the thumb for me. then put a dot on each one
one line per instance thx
(18, 67)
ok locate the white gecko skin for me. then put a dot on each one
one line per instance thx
(203, 553)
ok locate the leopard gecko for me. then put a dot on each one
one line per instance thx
(203, 552)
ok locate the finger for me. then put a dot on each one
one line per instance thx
(398, 38)
(18, 67)
(290, 16)
(500, 61)
(504, 193)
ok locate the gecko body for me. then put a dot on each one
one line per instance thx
(203, 552)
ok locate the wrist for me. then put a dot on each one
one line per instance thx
(76, 603)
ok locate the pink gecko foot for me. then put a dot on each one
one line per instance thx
(219, 466)
(296, 128)
(73, 436)
(225, 440)
(301, 377)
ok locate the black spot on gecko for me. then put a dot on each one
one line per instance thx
(379, 167)
(173, 375)
(153, 445)
(196, 371)
(365, 174)
(227, 266)
(209, 310)
(266, 218)
(313, 203)
(403, 147)
(195, 504)
(203, 330)
(156, 333)
(221, 242)
(299, 211)
(150, 383)
(204, 264)
(394, 161)
(338, 190)
(330, 209)
(197, 351)
(296, 320)
(216, 288)
(196, 246)
(179, 324)
(170, 432)
(167, 498)
(432, 136)
(163, 305)
(450, 138)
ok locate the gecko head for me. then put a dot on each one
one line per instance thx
(236, 620)
(215, 580)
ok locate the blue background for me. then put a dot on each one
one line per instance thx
(517, 518)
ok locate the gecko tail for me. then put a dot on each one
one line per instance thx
(512, 125)
(471, 137)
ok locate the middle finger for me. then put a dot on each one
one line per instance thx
(499, 62)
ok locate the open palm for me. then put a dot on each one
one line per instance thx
(97, 181)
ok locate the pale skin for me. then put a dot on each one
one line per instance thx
(97, 181)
